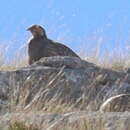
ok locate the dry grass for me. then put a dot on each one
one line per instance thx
(21, 126)
(95, 121)
(20, 58)
(82, 124)
(116, 59)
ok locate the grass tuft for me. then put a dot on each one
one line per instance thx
(21, 126)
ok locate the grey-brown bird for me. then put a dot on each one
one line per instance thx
(40, 46)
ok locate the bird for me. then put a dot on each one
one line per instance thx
(40, 45)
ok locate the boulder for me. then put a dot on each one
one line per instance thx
(65, 83)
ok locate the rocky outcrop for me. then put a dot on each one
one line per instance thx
(65, 92)
(60, 84)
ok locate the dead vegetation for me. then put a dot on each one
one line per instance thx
(117, 61)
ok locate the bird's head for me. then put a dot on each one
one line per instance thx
(37, 31)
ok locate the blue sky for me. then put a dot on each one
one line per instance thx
(71, 21)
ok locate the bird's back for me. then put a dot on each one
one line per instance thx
(62, 50)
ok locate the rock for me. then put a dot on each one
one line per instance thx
(59, 80)
(60, 61)
(55, 85)
(119, 103)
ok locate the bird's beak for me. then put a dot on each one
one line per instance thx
(28, 29)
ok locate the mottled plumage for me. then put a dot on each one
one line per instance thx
(40, 46)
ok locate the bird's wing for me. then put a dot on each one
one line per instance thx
(64, 50)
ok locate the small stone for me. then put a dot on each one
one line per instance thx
(119, 103)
